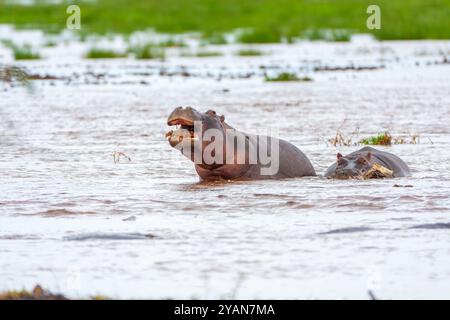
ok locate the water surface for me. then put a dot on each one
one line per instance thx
(75, 222)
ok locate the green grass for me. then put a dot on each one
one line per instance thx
(172, 43)
(265, 20)
(249, 52)
(147, 51)
(205, 54)
(286, 76)
(260, 36)
(382, 139)
(337, 35)
(25, 52)
(214, 38)
(98, 53)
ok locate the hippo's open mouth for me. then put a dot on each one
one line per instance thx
(184, 129)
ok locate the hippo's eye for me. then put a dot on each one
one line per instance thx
(362, 161)
(211, 112)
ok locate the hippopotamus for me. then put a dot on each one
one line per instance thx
(220, 151)
(357, 164)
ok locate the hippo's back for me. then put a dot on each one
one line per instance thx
(293, 162)
(388, 160)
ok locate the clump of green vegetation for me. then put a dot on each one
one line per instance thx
(249, 52)
(382, 139)
(98, 53)
(25, 52)
(147, 51)
(172, 43)
(50, 44)
(8, 43)
(338, 35)
(214, 38)
(260, 36)
(202, 54)
(287, 76)
(385, 139)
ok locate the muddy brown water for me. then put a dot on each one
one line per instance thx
(75, 222)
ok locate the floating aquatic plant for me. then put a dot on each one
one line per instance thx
(382, 139)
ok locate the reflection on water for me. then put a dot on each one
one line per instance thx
(297, 238)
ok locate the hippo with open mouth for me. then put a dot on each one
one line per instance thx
(359, 163)
(220, 151)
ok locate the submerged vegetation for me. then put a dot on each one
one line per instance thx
(147, 51)
(265, 21)
(286, 76)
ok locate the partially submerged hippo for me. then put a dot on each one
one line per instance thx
(220, 151)
(357, 164)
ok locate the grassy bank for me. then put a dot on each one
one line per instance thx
(270, 20)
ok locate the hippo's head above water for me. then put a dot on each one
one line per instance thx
(191, 124)
(352, 166)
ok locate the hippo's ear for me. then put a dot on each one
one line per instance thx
(369, 156)
(338, 156)
(222, 118)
